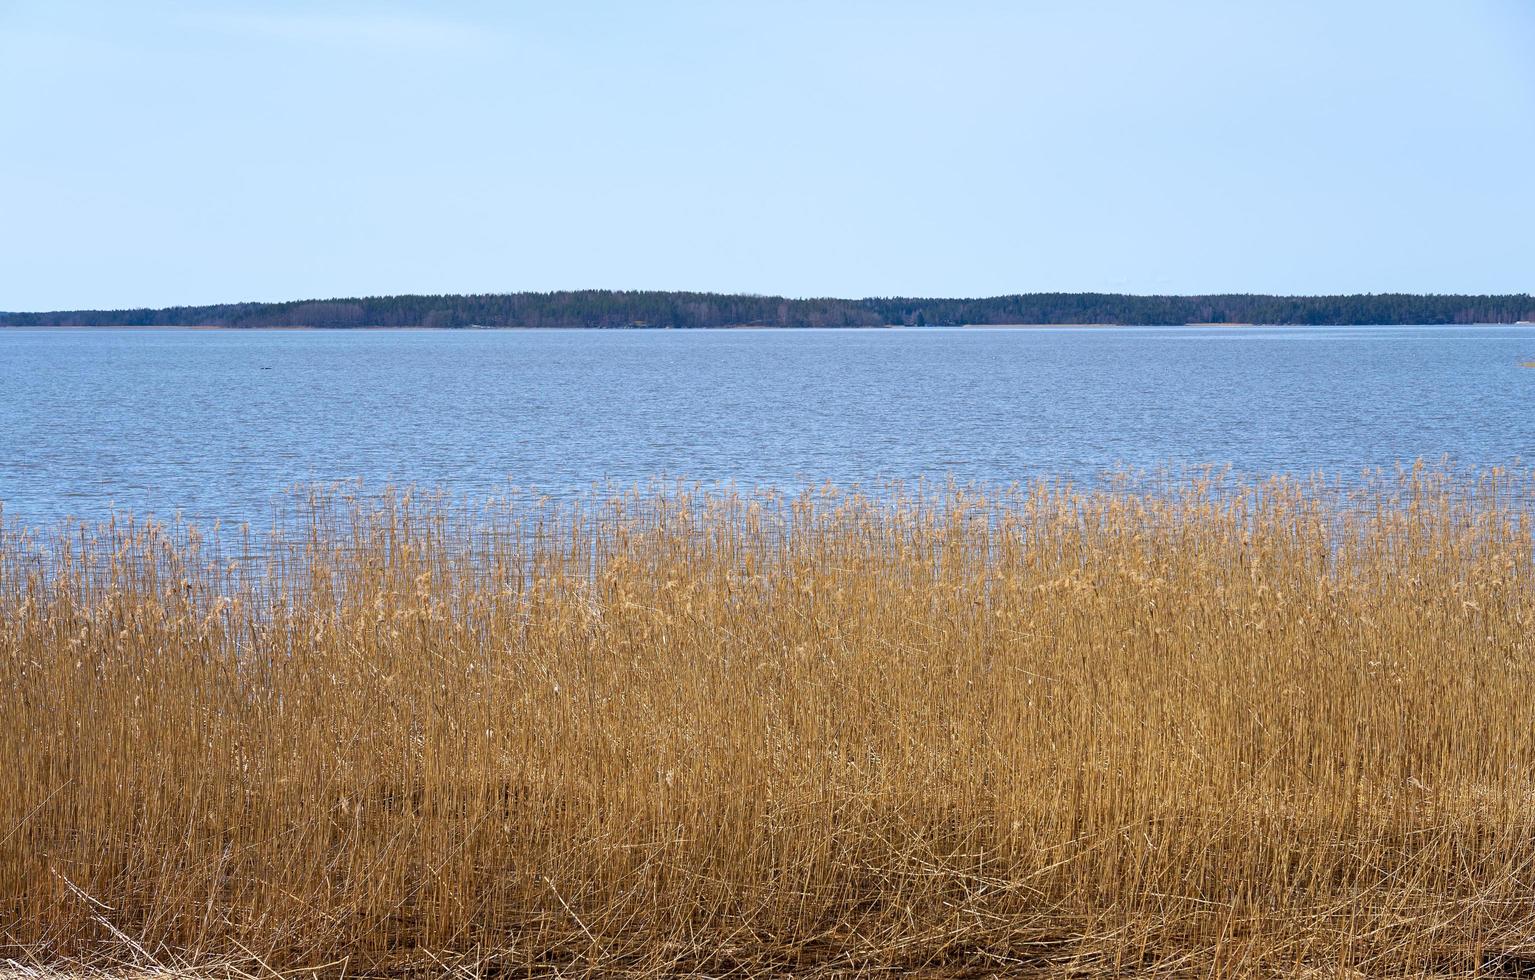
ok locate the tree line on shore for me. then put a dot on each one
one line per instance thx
(641, 309)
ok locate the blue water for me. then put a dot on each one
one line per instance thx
(217, 423)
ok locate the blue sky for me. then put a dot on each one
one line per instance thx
(160, 153)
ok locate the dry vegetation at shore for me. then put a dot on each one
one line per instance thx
(1215, 730)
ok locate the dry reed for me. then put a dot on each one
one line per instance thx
(1219, 729)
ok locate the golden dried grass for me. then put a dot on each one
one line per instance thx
(1216, 729)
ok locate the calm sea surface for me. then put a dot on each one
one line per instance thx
(216, 423)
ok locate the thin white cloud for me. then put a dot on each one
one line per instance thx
(362, 29)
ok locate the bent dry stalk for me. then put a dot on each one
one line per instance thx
(1227, 727)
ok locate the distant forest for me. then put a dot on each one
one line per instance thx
(616, 309)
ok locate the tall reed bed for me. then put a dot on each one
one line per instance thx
(1216, 729)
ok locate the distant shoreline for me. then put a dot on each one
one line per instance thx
(619, 309)
(215, 328)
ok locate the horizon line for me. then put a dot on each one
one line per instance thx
(887, 297)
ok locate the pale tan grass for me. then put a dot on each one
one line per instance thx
(1267, 730)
